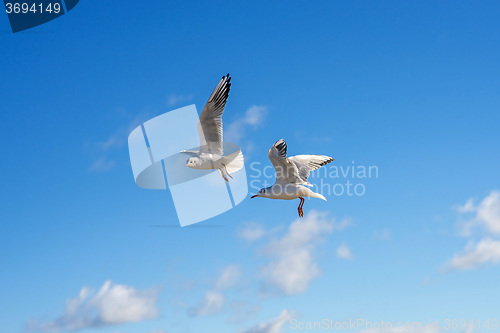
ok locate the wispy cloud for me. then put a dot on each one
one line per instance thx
(274, 325)
(252, 232)
(228, 277)
(214, 300)
(102, 164)
(115, 141)
(113, 304)
(118, 138)
(292, 264)
(253, 117)
(242, 311)
(212, 303)
(486, 218)
(344, 252)
(383, 235)
(174, 99)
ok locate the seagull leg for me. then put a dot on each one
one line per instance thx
(301, 212)
(222, 174)
(225, 169)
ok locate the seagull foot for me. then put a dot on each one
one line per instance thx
(301, 212)
(225, 169)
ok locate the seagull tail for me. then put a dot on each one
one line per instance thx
(237, 163)
(307, 192)
(317, 195)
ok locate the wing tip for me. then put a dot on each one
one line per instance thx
(281, 147)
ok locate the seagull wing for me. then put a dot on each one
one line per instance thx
(210, 122)
(307, 163)
(286, 171)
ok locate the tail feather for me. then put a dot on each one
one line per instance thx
(237, 163)
(307, 192)
(319, 196)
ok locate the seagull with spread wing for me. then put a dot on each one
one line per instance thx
(291, 175)
(211, 153)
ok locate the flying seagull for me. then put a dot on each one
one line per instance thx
(291, 175)
(211, 153)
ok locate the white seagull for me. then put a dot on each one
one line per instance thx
(291, 175)
(211, 154)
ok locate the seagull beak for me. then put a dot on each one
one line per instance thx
(186, 164)
(253, 196)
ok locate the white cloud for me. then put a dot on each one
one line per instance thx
(344, 252)
(274, 325)
(486, 250)
(120, 304)
(174, 99)
(253, 117)
(487, 214)
(211, 304)
(252, 232)
(292, 265)
(113, 304)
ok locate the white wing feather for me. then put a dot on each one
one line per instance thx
(307, 163)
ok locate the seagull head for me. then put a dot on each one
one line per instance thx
(262, 193)
(193, 162)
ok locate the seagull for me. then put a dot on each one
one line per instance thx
(211, 153)
(291, 175)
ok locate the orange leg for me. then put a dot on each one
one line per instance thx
(301, 212)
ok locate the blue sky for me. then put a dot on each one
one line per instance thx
(409, 87)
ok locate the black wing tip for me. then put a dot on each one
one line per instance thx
(281, 146)
(317, 165)
(329, 160)
(280, 140)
